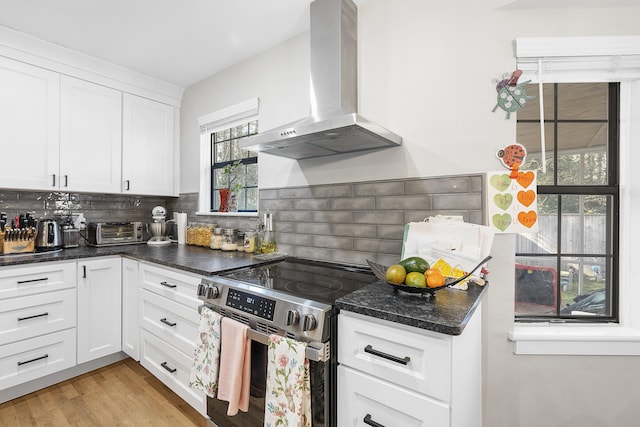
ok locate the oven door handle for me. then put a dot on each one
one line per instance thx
(315, 351)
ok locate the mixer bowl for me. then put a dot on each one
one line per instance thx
(157, 229)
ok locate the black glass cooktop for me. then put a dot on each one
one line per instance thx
(313, 280)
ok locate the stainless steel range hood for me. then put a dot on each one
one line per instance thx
(335, 127)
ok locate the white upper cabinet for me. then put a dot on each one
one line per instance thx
(149, 147)
(29, 126)
(90, 137)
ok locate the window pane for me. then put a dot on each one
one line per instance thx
(585, 287)
(252, 199)
(582, 101)
(532, 107)
(545, 241)
(536, 286)
(252, 175)
(223, 151)
(585, 224)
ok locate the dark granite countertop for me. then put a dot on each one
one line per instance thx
(447, 311)
(193, 259)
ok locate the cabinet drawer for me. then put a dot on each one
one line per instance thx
(36, 357)
(172, 367)
(36, 278)
(172, 322)
(27, 317)
(363, 344)
(361, 396)
(174, 285)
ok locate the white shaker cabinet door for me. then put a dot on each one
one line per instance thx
(130, 298)
(150, 149)
(99, 308)
(90, 137)
(29, 126)
(366, 400)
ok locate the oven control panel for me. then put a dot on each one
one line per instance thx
(252, 304)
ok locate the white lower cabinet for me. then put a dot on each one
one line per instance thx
(376, 401)
(168, 319)
(30, 359)
(172, 367)
(99, 308)
(397, 375)
(37, 321)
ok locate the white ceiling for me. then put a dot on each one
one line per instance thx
(177, 41)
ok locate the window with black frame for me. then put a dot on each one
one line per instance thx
(234, 169)
(568, 271)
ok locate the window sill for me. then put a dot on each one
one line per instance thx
(245, 214)
(563, 339)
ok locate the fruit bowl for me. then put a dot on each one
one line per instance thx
(380, 272)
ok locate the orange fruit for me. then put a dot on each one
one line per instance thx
(396, 274)
(416, 280)
(435, 279)
(430, 271)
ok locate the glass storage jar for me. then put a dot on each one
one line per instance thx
(191, 234)
(229, 240)
(249, 241)
(240, 241)
(216, 238)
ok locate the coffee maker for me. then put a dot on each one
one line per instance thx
(159, 227)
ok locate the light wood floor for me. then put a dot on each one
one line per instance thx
(121, 394)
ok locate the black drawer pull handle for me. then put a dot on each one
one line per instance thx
(166, 322)
(367, 420)
(168, 285)
(165, 366)
(33, 360)
(402, 361)
(22, 282)
(20, 319)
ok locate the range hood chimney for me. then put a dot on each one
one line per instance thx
(335, 127)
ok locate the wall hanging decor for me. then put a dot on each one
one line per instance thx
(512, 203)
(512, 157)
(512, 95)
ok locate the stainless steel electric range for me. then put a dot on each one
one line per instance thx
(293, 298)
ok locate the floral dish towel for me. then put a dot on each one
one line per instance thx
(288, 399)
(206, 357)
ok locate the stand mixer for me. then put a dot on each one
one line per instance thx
(158, 228)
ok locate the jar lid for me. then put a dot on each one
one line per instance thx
(217, 230)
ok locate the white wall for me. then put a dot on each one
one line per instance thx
(426, 72)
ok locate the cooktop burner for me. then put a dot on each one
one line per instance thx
(292, 297)
(314, 280)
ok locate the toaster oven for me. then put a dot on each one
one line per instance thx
(114, 233)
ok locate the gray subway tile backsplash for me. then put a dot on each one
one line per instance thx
(347, 223)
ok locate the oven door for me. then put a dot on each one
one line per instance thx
(320, 374)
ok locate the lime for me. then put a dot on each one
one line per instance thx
(416, 279)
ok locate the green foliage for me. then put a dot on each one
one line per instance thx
(233, 173)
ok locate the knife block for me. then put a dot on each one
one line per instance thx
(17, 246)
